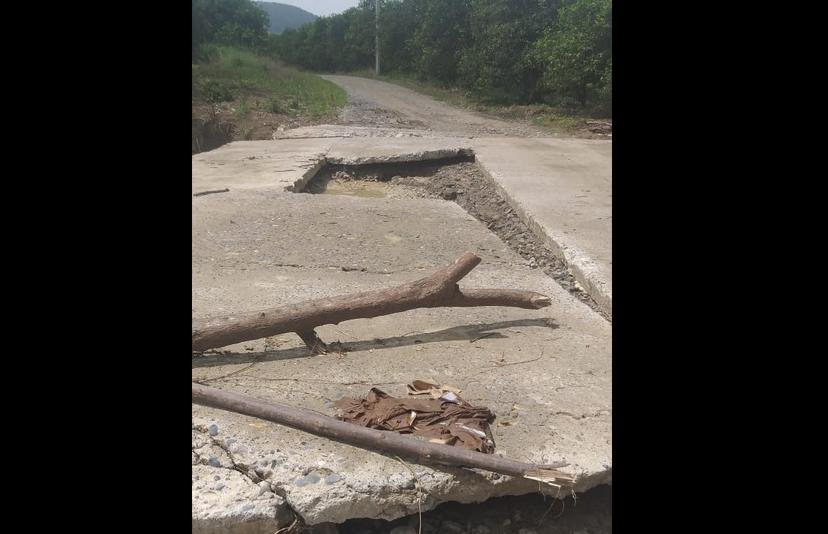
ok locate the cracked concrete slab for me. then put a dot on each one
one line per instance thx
(225, 497)
(546, 374)
(562, 189)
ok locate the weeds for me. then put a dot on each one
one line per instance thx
(563, 117)
(232, 74)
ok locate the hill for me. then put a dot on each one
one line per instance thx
(284, 17)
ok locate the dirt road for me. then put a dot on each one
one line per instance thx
(377, 103)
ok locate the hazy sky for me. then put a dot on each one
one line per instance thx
(321, 7)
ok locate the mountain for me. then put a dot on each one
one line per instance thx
(284, 17)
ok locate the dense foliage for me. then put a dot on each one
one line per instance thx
(502, 51)
(228, 22)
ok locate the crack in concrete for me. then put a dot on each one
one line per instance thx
(242, 468)
(246, 471)
(344, 268)
(602, 411)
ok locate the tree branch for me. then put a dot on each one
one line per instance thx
(417, 450)
(438, 290)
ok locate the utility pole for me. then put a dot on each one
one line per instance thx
(376, 46)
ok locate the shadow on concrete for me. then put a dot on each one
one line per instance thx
(473, 333)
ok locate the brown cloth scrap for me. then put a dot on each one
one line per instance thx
(451, 422)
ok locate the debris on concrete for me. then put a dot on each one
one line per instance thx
(375, 440)
(458, 424)
(430, 387)
(211, 192)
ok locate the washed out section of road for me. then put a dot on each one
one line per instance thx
(546, 374)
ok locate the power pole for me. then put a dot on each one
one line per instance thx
(376, 46)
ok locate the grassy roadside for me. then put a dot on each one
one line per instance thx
(543, 116)
(238, 95)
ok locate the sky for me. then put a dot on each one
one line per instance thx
(321, 7)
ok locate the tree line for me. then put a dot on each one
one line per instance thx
(502, 51)
(557, 52)
(238, 23)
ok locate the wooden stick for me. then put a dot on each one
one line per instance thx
(210, 192)
(438, 290)
(389, 442)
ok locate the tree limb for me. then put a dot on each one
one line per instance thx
(389, 442)
(438, 290)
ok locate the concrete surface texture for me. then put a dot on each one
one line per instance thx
(546, 373)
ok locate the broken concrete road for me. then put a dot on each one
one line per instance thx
(562, 188)
(546, 374)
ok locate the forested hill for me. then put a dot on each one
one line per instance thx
(284, 17)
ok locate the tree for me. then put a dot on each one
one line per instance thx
(230, 22)
(496, 61)
(577, 51)
(441, 32)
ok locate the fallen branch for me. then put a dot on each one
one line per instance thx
(210, 192)
(415, 449)
(438, 290)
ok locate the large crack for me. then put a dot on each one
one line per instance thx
(245, 470)
(240, 467)
(460, 180)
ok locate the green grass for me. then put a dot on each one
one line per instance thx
(240, 76)
(544, 116)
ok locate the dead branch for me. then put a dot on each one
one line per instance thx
(210, 192)
(388, 442)
(438, 290)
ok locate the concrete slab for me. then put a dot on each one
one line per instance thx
(546, 373)
(563, 189)
(255, 164)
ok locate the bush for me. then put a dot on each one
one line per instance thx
(215, 91)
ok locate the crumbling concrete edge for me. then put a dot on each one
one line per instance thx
(308, 175)
(579, 264)
(405, 157)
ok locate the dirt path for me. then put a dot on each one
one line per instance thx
(377, 103)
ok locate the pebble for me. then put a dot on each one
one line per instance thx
(311, 478)
(332, 478)
(213, 430)
(213, 462)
